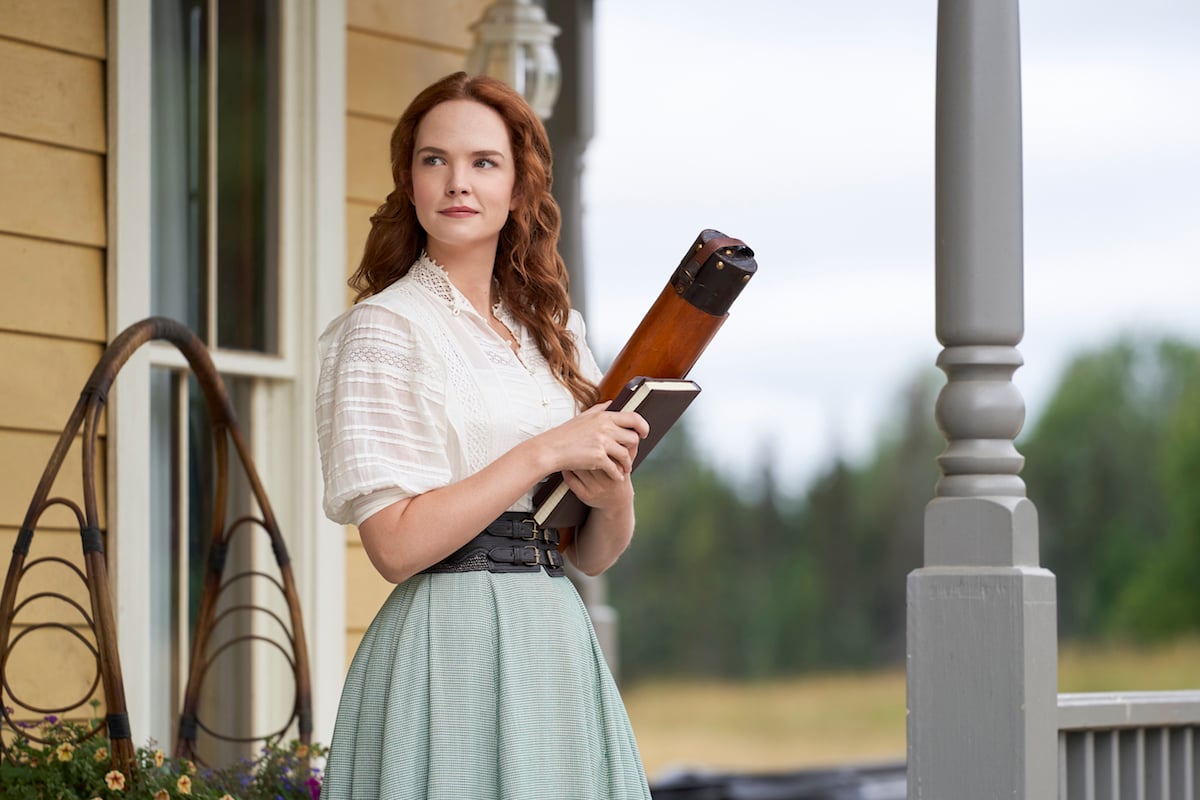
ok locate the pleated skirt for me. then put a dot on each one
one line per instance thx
(482, 686)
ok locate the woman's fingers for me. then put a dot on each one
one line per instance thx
(599, 439)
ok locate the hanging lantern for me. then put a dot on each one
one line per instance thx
(513, 42)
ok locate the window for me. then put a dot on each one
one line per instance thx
(215, 267)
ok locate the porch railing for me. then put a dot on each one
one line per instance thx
(1129, 746)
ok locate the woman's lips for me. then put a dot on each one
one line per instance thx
(458, 212)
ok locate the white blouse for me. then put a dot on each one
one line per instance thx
(417, 392)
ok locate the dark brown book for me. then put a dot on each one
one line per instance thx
(660, 401)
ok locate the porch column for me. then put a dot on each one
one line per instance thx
(982, 635)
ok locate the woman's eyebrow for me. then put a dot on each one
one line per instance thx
(437, 151)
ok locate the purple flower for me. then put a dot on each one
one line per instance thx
(53, 720)
(314, 788)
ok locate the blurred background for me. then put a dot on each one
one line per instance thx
(762, 607)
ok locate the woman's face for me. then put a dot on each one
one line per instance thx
(462, 176)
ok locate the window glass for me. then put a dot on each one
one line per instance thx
(214, 170)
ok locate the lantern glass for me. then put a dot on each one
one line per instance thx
(513, 42)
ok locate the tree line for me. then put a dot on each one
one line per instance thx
(752, 583)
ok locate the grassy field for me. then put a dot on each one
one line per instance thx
(844, 718)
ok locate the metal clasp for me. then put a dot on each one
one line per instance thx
(534, 530)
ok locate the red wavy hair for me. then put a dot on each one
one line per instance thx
(530, 274)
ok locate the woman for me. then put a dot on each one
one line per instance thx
(447, 393)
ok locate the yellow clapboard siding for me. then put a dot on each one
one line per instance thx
(51, 288)
(368, 160)
(365, 589)
(25, 457)
(52, 96)
(51, 192)
(50, 576)
(384, 75)
(76, 25)
(43, 379)
(446, 23)
(51, 668)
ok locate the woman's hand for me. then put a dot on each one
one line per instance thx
(597, 440)
(598, 489)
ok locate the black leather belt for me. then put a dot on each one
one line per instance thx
(513, 543)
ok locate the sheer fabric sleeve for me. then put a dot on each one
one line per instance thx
(587, 361)
(381, 414)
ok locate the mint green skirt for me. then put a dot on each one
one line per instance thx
(482, 686)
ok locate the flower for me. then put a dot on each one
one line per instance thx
(36, 771)
(158, 758)
(302, 751)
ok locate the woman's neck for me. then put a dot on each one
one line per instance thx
(470, 270)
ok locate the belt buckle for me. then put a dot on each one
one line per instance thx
(534, 530)
(537, 556)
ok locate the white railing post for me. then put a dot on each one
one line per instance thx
(982, 636)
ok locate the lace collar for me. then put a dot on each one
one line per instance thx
(432, 277)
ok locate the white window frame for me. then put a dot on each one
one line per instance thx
(312, 291)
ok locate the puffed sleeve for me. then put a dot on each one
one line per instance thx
(381, 414)
(587, 361)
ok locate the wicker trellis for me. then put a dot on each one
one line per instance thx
(98, 621)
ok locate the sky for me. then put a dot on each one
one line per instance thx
(806, 129)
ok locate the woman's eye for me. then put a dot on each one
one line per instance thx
(432, 161)
(485, 163)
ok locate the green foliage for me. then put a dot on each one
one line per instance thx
(759, 583)
(752, 584)
(69, 767)
(1112, 468)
